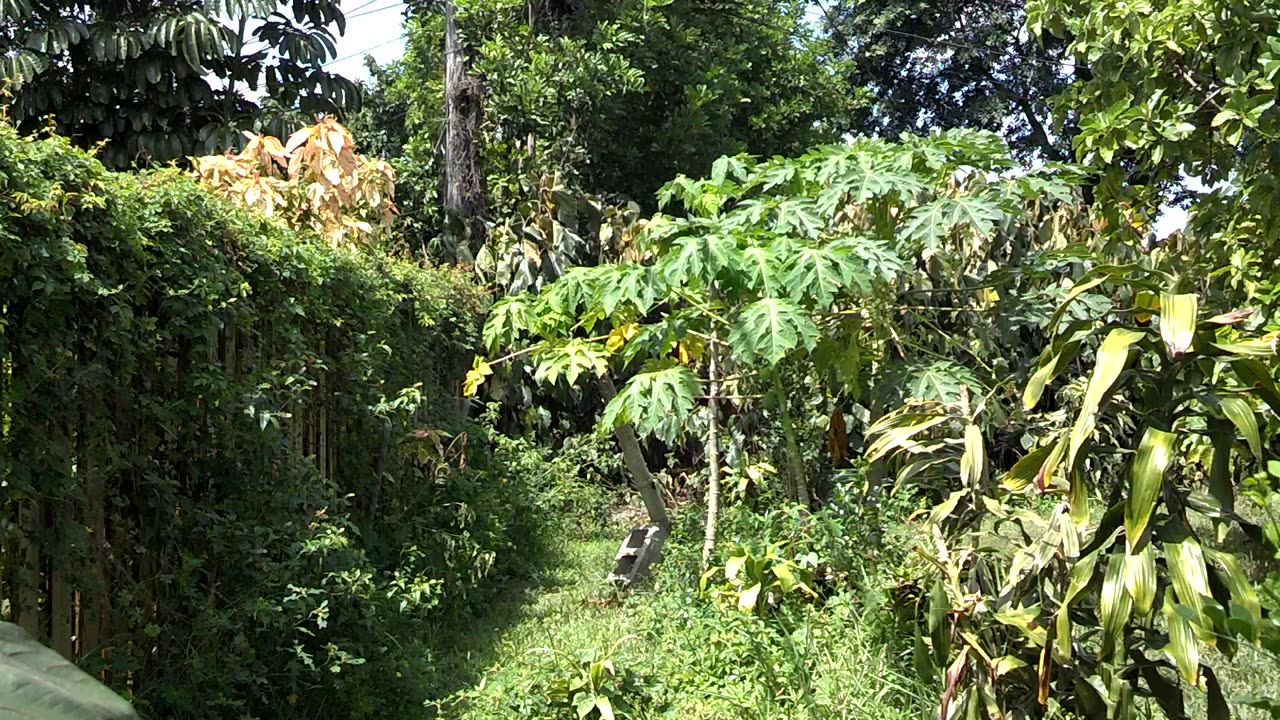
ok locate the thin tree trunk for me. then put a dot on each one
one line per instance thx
(640, 475)
(713, 455)
(795, 465)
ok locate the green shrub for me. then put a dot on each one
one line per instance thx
(239, 450)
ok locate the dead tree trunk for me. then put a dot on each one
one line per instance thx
(464, 196)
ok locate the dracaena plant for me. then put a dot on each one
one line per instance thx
(1090, 576)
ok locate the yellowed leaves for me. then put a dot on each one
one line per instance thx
(316, 178)
(476, 377)
(620, 336)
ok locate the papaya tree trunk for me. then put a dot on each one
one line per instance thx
(795, 464)
(634, 458)
(713, 456)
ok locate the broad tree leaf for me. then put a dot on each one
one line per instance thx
(762, 270)
(700, 259)
(1115, 605)
(656, 402)
(1024, 471)
(1140, 579)
(928, 224)
(939, 628)
(508, 318)
(770, 329)
(1146, 477)
(973, 464)
(1237, 581)
(817, 275)
(569, 361)
(895, 430)
(937, 380)
(1190, 580)
(628, 286)
(1240, 412)
(37, 682)
(979, 213)
(798, 216)
(1062, 351)
(1183, 648)
(1081, 576)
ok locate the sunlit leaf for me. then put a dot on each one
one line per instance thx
(1113, 355)
(656, 402)
(770, 329)
(1140, 579)
(1146, 477)
(569, 361)
(1178, 322)
(1115, 605)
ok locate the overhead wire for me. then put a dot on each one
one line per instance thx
(393, 6)
(358, 8)
(366, 51)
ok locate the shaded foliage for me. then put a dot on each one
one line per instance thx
(162, 79)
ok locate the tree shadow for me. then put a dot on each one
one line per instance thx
(467, 644)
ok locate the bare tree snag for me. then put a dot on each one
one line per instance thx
(464, 196)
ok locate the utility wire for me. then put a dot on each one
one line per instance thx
(360, 7)
(394, 6)
(366, 51)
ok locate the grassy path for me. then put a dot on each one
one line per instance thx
(687, 660)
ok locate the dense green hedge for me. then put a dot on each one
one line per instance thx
(226, 434)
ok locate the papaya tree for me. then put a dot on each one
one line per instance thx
(774, 266)
(1090, 576)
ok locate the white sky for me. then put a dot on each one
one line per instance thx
(374, 29)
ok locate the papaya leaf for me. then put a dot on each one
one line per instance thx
(508, 318)
(761, 268)
(817, 275)
(569, 361)
(770, 329)
(655, 402)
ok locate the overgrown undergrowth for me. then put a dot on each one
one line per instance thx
(673, 652)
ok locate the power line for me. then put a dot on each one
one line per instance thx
(394, 6)
(360, 7)
(366, 51)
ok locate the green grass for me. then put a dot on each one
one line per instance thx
(688, 659)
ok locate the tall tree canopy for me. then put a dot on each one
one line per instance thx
(617, 97)
(929, 65)
(160, 79)
(1179, 89)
